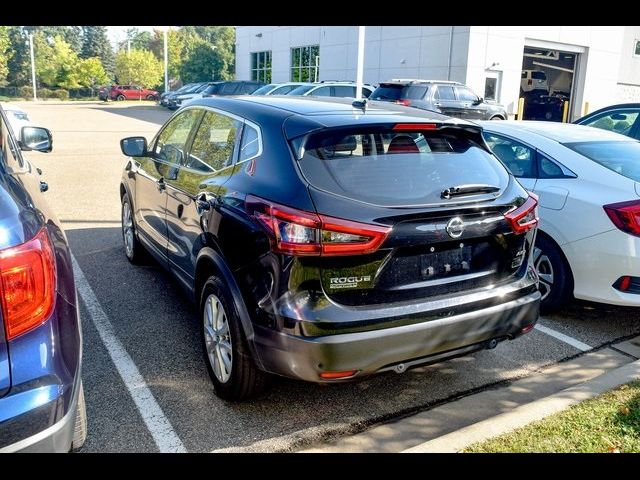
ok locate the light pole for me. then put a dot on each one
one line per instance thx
(33, 67)
(166, 61)
(360, 69)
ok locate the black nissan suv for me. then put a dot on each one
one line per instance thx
(326, 241)
(449, 98)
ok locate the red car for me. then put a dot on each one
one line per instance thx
(132, 92)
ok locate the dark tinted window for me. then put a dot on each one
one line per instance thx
(444, 92)
(229, 88)
(538, 75)
(387, 92)
(212, 89)
(384, 167)
(214, 143)
(248, 88)
(344, 91)
(415, 92)
(621, 157)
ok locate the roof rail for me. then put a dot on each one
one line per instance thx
(421, 80)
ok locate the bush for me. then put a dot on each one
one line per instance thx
(45, 93)
(61, 94)
(26, 92)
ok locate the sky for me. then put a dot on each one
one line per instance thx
(118, 33)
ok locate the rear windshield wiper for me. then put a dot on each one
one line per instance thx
(468, 190)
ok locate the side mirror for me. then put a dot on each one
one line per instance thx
(36, 138)
(618, 116)
(134, 146)
(478, 101)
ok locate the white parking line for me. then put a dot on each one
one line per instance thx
(159, 426)
(564, 338)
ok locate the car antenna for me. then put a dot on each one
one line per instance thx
(360, 104)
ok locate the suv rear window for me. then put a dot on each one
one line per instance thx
(391, 92)
(384, 167)
(621, 157)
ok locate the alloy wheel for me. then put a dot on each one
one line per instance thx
(127, 229)
(217, 338)
(544, 268)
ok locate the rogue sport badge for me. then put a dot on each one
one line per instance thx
(455, 227)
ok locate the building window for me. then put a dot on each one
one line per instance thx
(492, 86)
(636, 48)
(261, 66)
(305, 63)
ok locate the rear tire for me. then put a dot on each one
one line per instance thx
(556, 280)
(496, 117)
(120, 98)
(229, 363)
(80, 427)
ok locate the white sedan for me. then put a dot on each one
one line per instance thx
(588, 240)
(17, 117)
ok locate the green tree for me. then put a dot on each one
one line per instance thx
(90, 72)
(210, 57)
(95, 43)
(56, 62)
(18, 63)
(138, 67)
(4, 53)
(175, 47)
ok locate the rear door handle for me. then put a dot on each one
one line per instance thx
(161, 185)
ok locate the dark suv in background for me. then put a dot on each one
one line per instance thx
(210, 89)
(42, 406)
(449, 98)
(326, 242)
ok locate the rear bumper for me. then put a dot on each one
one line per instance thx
(55, 439)
(383, 349)
(598, 261)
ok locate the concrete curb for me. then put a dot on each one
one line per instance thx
(525, 414)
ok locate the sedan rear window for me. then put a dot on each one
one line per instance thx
(381, 166)
(621, 157)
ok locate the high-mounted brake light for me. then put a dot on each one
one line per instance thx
(525, 217)
(27, 284)
(625, 216)
(404, 102)
(414, 127)
(296, 232)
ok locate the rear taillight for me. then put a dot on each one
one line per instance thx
(525, 217)
(296, 232)
(27, 284)
(404, 102)
(625, 216)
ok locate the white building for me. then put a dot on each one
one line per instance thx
(594, 64)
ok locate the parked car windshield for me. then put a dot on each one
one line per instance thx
(379, 166)
(621, 157)
(301, 90)
(263, 90)
(397, 92)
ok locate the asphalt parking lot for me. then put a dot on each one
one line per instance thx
(146, 384)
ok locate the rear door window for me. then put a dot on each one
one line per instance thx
(444, 92)
(214, 143)
(518, 157)
(344, 91)
(380, 166)
(321, 92)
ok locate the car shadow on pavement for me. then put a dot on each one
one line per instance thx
(159, 328)
(145, 111)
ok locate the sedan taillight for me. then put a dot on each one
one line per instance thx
(525, 217)
(27, 284)
(625, 216)
(296, 232)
